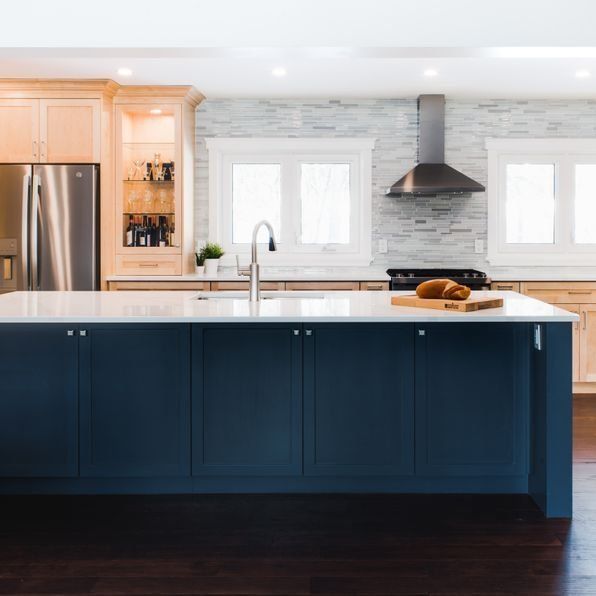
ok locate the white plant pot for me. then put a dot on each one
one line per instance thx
(211, 266)
(200, 269)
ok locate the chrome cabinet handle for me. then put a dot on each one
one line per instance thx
(70, 332)
(585, 319)
(83, 333)
(35, 149)
(308, 332)
(296, 331)
(579, 292)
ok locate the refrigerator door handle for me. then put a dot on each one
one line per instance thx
(34, 250)
(24, 248)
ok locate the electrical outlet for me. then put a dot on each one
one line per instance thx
(478, 246)
(382, 246)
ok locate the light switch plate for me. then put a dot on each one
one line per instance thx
(382, 245)
(478, 246)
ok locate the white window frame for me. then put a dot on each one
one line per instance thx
(290, 153)
(564, 154)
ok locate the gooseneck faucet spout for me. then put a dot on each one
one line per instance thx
(254, 294)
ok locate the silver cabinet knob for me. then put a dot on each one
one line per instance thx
(70, 332)
(308, 332)
(296, 331)
(83, 333)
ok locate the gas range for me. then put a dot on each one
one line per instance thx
(408, 279)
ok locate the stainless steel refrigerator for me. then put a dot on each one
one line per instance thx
(49, 235)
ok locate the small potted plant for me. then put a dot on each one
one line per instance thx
(211, 254)
(199, 262)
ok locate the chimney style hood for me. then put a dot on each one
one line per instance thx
(432, 175)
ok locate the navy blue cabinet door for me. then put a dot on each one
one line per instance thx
(358, 399)
(472, 390)
(247, 402)
(38, 400)
(135, 400)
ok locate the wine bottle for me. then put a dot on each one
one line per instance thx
(163, 232)
(129, 232)
(142, 235)
(154, 238)
(173, 240)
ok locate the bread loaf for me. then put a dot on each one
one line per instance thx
(433, 288)
(443, 288)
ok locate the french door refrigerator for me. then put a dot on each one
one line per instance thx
(49, 236)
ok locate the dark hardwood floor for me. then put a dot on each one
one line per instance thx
(315, 544)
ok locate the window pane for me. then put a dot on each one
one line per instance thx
(585, 203)
(256, 195)
(530, 204)
(325, 203)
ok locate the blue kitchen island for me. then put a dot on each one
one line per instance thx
(138, 392)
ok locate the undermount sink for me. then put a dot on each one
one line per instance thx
(273, 295)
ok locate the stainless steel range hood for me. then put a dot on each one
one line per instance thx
(432, 175)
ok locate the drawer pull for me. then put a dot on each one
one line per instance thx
(375, 286)
(585, 319)
(505, 287)
(579, 292)
(148, 264)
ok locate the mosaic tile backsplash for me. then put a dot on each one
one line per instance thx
(428, 231)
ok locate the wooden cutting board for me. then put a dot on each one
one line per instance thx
(468, 305)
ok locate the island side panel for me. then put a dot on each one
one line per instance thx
(550, 481)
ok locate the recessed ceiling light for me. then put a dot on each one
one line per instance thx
(583, 73)
(124, 72)
(430, 72)
(155, 111)
(279, 71)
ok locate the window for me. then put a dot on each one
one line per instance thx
(316, 193)
(542, 202)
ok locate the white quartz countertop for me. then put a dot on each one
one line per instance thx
(273, 274)
(277, 307)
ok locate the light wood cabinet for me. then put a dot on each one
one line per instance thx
(19, 130)
(50, 130)
(374, 286)
(505, 286)
(323, 285)
(154, 159)
(576, 308)
(587, 343)
(554, 292)
(69, 130)
(219, 286)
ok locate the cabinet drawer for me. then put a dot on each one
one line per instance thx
(322, 285)
(217, 286)
(561, 292)
(372, 286)
(510, 286)
(115, 286)
(148, 265)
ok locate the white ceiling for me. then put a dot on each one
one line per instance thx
(330, 48)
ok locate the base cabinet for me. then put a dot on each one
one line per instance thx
(38, 401)
(247, 400)
(276, 406)
(472, 399)
(359, 400)
(134, 396)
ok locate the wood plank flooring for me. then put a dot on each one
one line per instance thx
(311, 544)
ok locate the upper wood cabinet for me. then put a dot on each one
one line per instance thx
(69, 130)
(50, 130)
(19, 130)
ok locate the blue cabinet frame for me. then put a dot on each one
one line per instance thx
(247, 400)
(359, 400)
(472, 395)
(38, 400)
(135, 400)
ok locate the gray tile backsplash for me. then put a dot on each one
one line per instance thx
(427, 231)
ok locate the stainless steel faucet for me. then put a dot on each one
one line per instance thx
(254, 292)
